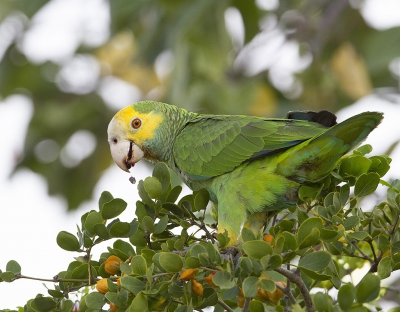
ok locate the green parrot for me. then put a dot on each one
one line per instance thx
(251, 166)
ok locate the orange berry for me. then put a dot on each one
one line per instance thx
(263, 294)
(111, 265)
(197, 288)
(209, 280)
(240, 294)
(102, 286)
(268, 238)
(113, 307)
(240, 302)
(188, 274)
(277, 294)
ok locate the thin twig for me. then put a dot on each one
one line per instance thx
(287, 292)
(364, 256)
(246, 306)
(295, 278)
(52, 280)
(224, 305)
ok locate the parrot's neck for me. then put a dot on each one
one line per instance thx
(175, 120)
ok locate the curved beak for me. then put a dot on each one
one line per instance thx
(125, 154)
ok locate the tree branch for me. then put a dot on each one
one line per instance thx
(296, 279)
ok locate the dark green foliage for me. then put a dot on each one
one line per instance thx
(327, 237)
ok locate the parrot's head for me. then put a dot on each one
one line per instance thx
(133, 131)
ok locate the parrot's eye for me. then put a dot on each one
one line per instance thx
(136, 123)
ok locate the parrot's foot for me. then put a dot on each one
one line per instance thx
(230, 252)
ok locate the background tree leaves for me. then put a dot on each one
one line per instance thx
(203, 68)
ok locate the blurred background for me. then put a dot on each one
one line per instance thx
(66, 66)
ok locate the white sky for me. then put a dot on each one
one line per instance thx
(30, 219)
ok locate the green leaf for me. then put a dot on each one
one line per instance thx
(365, 149)
(256, 306)
(316, 276)
(250, 287)
(55, 293)
(95, 300)
(161, 225)
(139, 303)
(380, 165)
(346, 296)
(268, 285)
(68, 306)
(366, 184)
(383, 244)
(153, 187)
(124, 247)
(102, 231)
(148, 224)
(105, 197)
(120, 229)
(201, 198)
(171, 262)
(13, 266)
(247, 235)
(384, 268)
(351, 222)
(198, 249)
(132, 284)
(92, 219)
(161, 173)
(143, 193)
(137, 239)
(315, 261)
(174, 194)
(67, 241)
(257, 249)
(222, 279)
(290, 241)
(7, 276)
(311, 239)
(307, 227)
(43, 304)
(322, 302)
(139, 265)
(192, 262)
(354, 166)
(307, 192)
(344, 194)
(360, 235)
(113, 208)
(368, 288)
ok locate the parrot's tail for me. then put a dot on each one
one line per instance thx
(313, 159)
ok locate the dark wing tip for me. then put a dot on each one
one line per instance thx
(323, 117)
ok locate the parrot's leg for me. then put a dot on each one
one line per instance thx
(231, 218)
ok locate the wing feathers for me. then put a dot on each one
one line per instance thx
(213, 145)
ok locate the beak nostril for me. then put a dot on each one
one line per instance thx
(115, 140)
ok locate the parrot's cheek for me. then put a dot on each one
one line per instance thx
(125, 154)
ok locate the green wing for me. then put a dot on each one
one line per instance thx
(212, 145)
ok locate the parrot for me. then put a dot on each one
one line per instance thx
(251, 166)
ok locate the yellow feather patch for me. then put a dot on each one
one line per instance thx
(150, 123)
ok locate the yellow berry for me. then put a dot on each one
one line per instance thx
(188, 274)
(197, 288)
(102, 286)
(111, 265)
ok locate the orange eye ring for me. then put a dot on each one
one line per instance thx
(136, 123)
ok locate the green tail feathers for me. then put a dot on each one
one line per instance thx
(312, 160)
(355, 130)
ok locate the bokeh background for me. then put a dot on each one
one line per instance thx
(66, 66)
